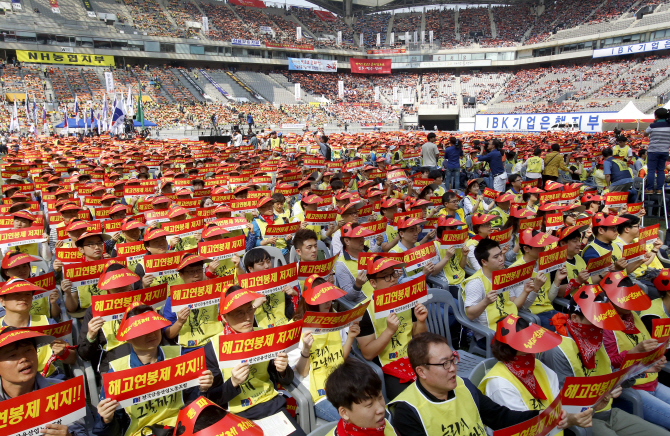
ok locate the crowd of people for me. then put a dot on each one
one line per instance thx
(203, 279)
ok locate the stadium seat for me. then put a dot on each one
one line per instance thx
(475, 327)
(278, 258)
(324, 430)
(356, 352)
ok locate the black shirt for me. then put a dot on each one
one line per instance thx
(408, 423)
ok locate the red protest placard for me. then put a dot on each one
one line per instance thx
(550, 197)
(160, 379)
(271, 280)
(569, 195)
(420, 256)
(411, 214)
(616, 198)
(322, 268)
(314, 162)
(364, 257)
(599, 264)
(660, 329)
(206, 213)
(190, 227)
(60, 403)
(490, 193)
(259, 194)
(541, 425)
(420, 183)
(16, 237)
(400, 297)
(326, 322)
(376, 227)
(222, 248)
(317, 217)
(112, 226)
(635, 251)
(453, 238)
(553, 221)
(551, 260)
(281, 231)
(258, 346)
(160, 215)
(366, 210)
(45, 281)
(69, 255)
(584, 221)
(511, 276)
(634, 208)
(112, 306)
(244, 205)
(131, 249)
(199, 294)
(287, 191)
(61, 330)
(501, 236)
(648, 233)
(397, 176)
(530, 223)
(579, 393)
(637, 363)
(230, 224)
(85, 273)
(138, 191)
(189, 203)
(353, 165)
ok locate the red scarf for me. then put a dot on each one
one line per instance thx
(522, 367)
(476, 238)
(348, 429)
(473, 196)
(400, 369)
(270, 219)
(629, 322)
(227, 330)
(589, 339)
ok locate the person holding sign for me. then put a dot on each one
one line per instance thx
(131, 231)
(15, 264)
(575, 266)
(501, 210)
(349, 278)
(388, 208)
(256, 397)
(531, 196)
(456, 257)
(605, 232)
(68, 211)
(178, 214)
(16, 296)
(318, 354)
(349, 215)
(660, 307)
(481, 227)
(23, 220)
(19, 363)
(155, 241)
(450, 202)
(474, 202)
(581, 354)
(440, 399)
(649, 265)
(141, 328)
(539, 300)
(256, 236)
(519, 380)
(97, 341)
(409, 230)
(92, 247)
(355, 391)
(627, 298)
(384, 340)
(309, 203)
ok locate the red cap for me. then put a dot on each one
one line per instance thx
(445, 221)
(189, 259)
(24, 214)
(117, 278)
(534, 238)
(661, 282)
(407, 222)
(482, 218)
(236, 299)
(602, 220)
(212, 230)
(229, 424)
(160, 199)
(380, 264)
(16, 284)
(623, 292)
(601, 313)
(131, 223)
(505, 196)
(533, 339)
(564, 232)
(322, 293)
(154, 233)
(13, 259)
(591, 197)
(177, 211)
(348, 231)
(140, 325)
(9, 337)
(118, 208)
(312, 199)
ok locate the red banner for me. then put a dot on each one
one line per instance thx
(137, 385)
(138, 191)
(541, 425)
(420, 256)
(599, 264)
(411, 214)
(501, 236)
(634, 208)
(322, 268)
(190, 227)
(400, 297)
(553, 221)
(660, 329)
(271, 280)
(319, 217)
(221, 249)
(370, 66)
(199, 294)
(164, 266)
(530, 223)
(234, 223)
(251, 3)
(244, 205)
(511, 276)
(551, 260)
(61, 403)
(376, 227)
(112, 306)
(160, 215)
(258, 346)
(61, 330)
(453, 238)
(281, 231)
(326, 322)
(17, 237)
(616, 198)
(69, 255)
(584, 221)
(648, 233)
(325, 15)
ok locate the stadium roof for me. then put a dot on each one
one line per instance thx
(370, 6)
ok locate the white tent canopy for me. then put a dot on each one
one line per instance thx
(630, 117)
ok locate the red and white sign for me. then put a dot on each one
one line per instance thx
(635, 251)
(453, 238)
(111, 307)
(420, 256)
(318, 217)
(325, 322)
(648, 233)
(222, 249)
(511, 276)
(370, 66)
(259, 345)
(322, 268)
(400, 297)
(599, 264)
(199, 294)
(551, 260)
(271, 280)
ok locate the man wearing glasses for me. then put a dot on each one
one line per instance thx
(384, 340)
(91, 245)
(440, 400)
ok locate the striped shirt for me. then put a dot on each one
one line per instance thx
(659, 136)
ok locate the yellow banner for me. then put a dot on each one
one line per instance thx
(47, 57)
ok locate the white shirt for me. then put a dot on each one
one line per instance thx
(504, 393)
(474, 293)
(238, 140)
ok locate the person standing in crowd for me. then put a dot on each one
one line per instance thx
(534, 166)
(553, 162)
(429, 152)
(453, 154)
(497, 176)
(657, 152)
(618, 177)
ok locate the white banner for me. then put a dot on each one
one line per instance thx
(430, 36)
(587, 121)
(340, 89)
(55, 10)
(304, 64)
(423, 37)
(663, 44)
(297, 92)
(298, 33)
(392, 38)
(362, 40)
(395, 95)
(251, 42)
(339, 37)
(376, 94)
(416, 37)
(406, 38)
(205, 24)
(379, 39)
(109, 81)
(292, 126)
(481, 63)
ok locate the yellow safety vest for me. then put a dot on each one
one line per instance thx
(109, 329)
(42, 306)
(31, 249)
(43, 352)
(494, 311)
(574, 270)
(163, 410)
(569, 348)
(262, 225)
(502, 217)
(435, 417)
(396, 348)
(500, 370)
(542, 302)
(388, 430)
(325, 355)
(623, 166)
(317, 229)
(202, 324)
(616, 251)
(452, 269)
(619, 151)
(656, 309)
(352, 266)
(391, 233)
(534, 165)
(272, 313)
(518, 196)
(258, 387)
(626, 342)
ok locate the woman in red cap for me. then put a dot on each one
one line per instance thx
(24, 219)
(660, 307)
(519, 381)
(349, 278)
(141, 327)
(256, 236)
(481, 227)
(473, 201)
(318, 354)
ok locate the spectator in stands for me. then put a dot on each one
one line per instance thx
(657, 152)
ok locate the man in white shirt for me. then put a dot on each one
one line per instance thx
(429, 152)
